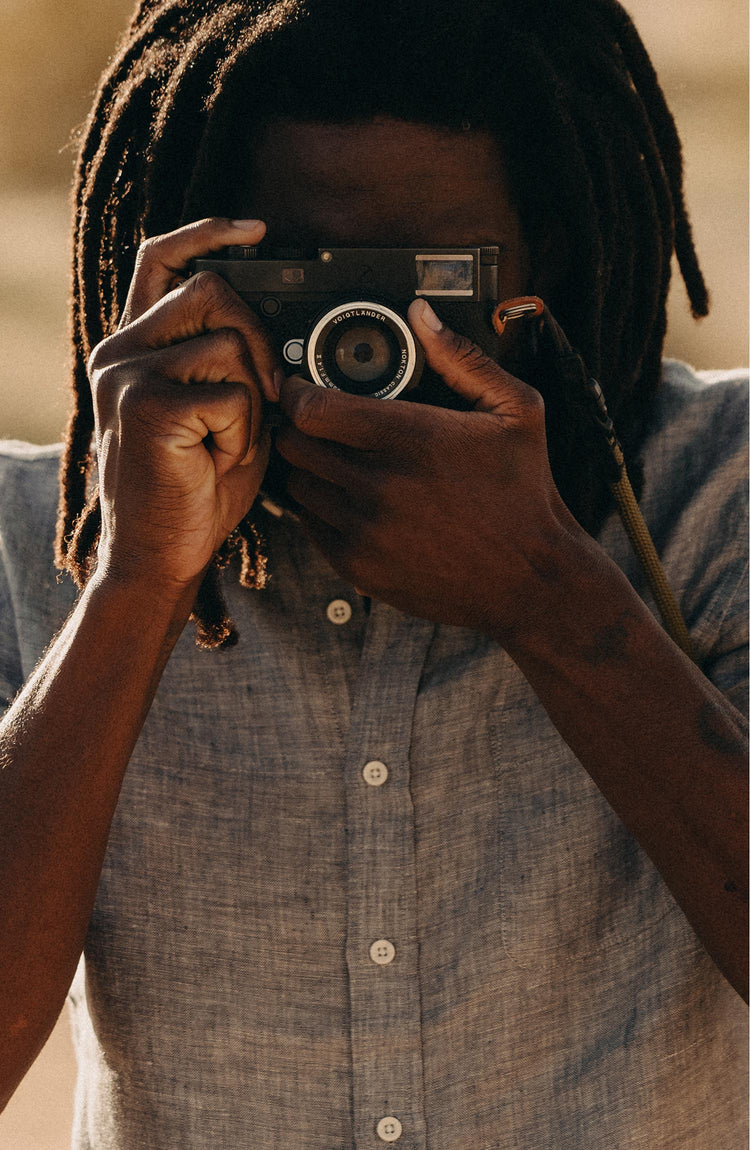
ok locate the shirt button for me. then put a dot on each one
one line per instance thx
(339, 611)
(375, 773)
(382, 952)
(389, 1129)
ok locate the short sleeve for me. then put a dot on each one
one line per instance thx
(11, 671)
(695, 501)
(727, 662)
(34, 602)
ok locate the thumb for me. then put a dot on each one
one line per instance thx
(465, 367)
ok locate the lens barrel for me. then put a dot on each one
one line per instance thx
(365, 348)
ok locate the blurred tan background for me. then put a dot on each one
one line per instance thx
(52, 54)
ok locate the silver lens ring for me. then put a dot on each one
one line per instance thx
(367, 310)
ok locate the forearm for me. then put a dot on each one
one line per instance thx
(659, 740)
(64, 748)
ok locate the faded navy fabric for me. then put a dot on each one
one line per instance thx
(546, 993)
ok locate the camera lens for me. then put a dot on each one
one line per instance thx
(366, 354)
(364, 348)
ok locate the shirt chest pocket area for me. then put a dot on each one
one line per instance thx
(573, 880)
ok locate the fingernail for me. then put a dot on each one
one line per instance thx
(245, 225)
(428, 317)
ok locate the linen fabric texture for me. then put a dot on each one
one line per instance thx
(545, 991)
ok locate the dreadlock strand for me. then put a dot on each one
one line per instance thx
(253, 556)
(553, 116)
(217, 151)
(88, 284)
(654, 216)
(643, 200)
(670, 148)
(174, 140)
(213, 627)
(76, 460)
(84, 540)
(627, 311)
(96, 260)
(140, 31)
(573, 443)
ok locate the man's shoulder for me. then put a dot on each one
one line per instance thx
(695, 494)
(28, 467)
(16, 455)
(17, 450)
(698, 437)
(33, 600)
(705, 411)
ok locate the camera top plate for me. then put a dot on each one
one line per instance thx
(469, 274)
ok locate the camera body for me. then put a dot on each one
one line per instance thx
(338, 315)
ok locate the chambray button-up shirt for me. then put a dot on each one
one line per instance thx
(358, 890)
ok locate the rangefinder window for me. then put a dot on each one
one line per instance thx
(451, 275)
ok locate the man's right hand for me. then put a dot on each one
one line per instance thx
(177, 396)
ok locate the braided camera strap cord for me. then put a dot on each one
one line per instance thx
(640, 537)
(572, 367)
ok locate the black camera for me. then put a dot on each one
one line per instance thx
(338, 314)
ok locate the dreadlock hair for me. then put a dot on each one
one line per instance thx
(568, 91)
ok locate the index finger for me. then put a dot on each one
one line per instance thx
(163, 261)
(354, 420)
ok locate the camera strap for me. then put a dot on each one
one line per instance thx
(573, 369)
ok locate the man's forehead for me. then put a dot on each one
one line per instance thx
(380, 181)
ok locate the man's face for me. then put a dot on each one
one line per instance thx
(385, 183)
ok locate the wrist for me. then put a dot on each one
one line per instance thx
(161, 605)
(572, 588)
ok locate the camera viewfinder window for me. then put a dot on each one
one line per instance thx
(445, 275)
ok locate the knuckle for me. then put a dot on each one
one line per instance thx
(533, 405)
(147, 247)
(143, 411)
(131, 401)
(240, 398)
(105, 382)
(470, 356)
(150, 251)
(230, 344)
(210, 223)
(310, 407)
(100, 357)
(108, 385)
(207, 286)
(206, 292)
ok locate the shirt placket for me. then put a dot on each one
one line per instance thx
(382, 943)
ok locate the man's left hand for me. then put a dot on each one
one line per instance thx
(454, 516)
(448, 515)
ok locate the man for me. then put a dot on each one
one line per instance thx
(446, 847)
